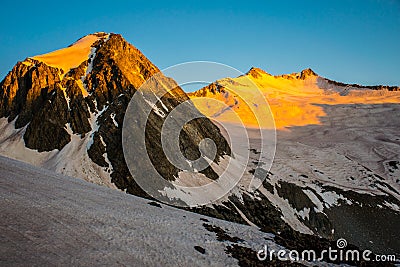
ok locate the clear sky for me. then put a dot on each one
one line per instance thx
(349, 41)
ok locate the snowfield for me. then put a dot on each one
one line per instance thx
(73, 55)
(51, 219)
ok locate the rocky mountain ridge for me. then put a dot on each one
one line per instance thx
(307, 73)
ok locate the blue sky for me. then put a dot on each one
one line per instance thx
(348, 41)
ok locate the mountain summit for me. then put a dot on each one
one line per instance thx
(73, 55)
(304, 74)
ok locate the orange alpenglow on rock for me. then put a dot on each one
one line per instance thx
(294, 99)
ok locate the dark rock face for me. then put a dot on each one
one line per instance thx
(371, 87)
(78, 108)
(96, 151)
(190, 137)
(24, 90)
(46, 130)
(316, 221)
(35, 94)
(307, 73)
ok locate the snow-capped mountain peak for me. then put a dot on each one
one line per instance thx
(73, 55)
(64, 110)
(291, 97)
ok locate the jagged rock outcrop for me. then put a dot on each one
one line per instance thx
(25, 90)
(307, 73)
(256, 72)
(304, 74)
(371, 87)
(46, 130)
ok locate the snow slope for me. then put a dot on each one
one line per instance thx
(51, 219)
(72, 160)
(347, 162)
(72, 56)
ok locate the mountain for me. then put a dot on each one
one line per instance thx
(335, 171)
(64, 111)
(292, 98)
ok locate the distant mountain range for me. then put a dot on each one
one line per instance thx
(338, 150)
(292, 98)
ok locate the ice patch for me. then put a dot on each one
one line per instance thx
(156, 109)
(315, 200)
(162, 104)
(113, 119)
(304, 213)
